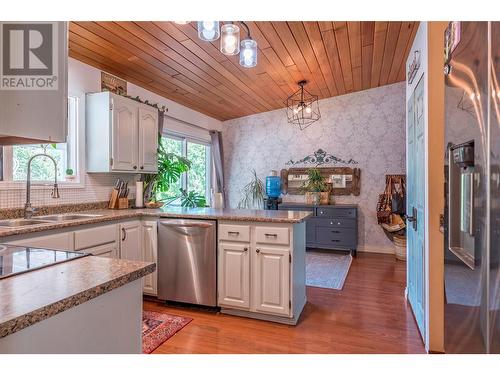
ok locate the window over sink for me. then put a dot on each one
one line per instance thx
(14, 160)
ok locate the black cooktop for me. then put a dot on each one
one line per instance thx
(18, 259)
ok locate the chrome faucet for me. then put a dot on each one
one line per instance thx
(28, 210)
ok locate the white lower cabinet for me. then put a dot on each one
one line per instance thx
(271, 280)
(234, 275)
(58, 241)
(150, 254)
(261, 277)
(100, 241)
(131, 240)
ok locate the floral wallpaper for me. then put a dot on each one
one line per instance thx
(367, 126)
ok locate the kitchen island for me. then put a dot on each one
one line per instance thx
(86, 305)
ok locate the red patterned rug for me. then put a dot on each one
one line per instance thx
(158, 328)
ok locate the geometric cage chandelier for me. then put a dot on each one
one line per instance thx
(302, 108)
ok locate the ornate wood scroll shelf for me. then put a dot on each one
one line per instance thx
(341, 180)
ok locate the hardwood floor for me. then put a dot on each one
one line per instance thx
(370, 315)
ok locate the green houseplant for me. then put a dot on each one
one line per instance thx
(315, 188)
(253, 193)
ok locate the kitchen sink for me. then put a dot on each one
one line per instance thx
(14, 223)
(68, 217)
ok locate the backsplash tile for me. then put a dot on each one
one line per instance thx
(367, 126)
(97, 188)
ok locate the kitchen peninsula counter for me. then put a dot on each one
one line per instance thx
(72, 297)
(104, 215)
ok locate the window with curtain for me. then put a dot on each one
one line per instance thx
(198, 178)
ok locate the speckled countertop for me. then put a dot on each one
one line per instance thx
(270, 216)
(34, 296)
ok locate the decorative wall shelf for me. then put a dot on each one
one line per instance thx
(341, 180)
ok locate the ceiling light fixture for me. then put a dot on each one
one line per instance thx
(230, 39)
(230, 44)
(208, 30)
(248, 52)
(302, 107)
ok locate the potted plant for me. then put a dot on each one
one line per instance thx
(69, 175)
(253, 194)
(316, 187)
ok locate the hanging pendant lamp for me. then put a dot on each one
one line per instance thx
(208, 30)
(302, 107)
(230, 39)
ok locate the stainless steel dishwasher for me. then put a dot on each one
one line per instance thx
(187, 261)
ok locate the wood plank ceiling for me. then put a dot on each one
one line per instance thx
(334, 57)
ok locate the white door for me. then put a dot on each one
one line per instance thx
(124, 134)
(271, 281)
(150, 254)
(234, 275)
(415, 205)
(131, 240)
(148, 139)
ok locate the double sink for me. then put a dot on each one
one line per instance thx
(15, 223)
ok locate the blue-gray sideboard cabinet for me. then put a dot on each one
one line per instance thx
(332, 227)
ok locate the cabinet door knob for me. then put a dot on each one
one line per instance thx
(142, 167)
(135, 167)
(245, 249)
(257, 251)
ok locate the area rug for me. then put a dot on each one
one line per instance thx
(158, 328)
(327, 269)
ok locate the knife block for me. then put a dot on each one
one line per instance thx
(122, 203)
(116, 203)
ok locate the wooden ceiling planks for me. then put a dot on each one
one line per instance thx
(334, 57)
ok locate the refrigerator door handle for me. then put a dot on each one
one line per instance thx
(471, 206)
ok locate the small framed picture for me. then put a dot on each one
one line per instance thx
(338, 181)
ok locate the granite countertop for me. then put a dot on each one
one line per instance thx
(34, 296)
(270, 216)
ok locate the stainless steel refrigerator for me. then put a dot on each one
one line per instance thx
(472, 167)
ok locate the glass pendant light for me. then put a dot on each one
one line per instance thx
(230, 39)
(181, 22)
(208, 30)
(248, 53)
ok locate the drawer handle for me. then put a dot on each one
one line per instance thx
(335, 240)
(233, 233)
(335, 231)
(124, 234)
(271, 235)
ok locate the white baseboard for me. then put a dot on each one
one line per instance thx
(376, 249)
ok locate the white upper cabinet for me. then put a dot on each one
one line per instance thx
(122, 135)
(148, 139)
(34, 83)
